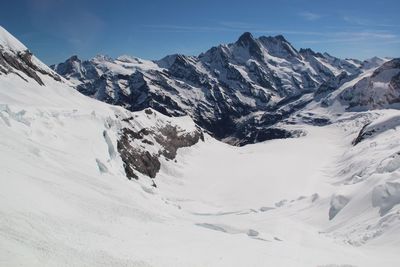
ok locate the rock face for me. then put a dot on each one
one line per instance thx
(134, 158)
(16, 58)
(371, 130)
(225, 90)
(22, 61)
(141, 150)
(381, 89)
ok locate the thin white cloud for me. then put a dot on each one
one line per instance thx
(189, 28)
(356, 20)
(383, 37)
(328, 36)
(310, 16)
(224, 27)
(367, 22)
(237, 24)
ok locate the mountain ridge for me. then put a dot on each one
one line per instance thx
(220, 87)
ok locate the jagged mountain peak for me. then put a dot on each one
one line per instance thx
(310, 52)
(275, 39)
(278, 46)
(280, 37)
(373, 62)
(168, 61)
(245, 39)
(248, 37)
(247, 42)
(74, 58)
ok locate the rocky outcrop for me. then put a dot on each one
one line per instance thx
(141, 150)
(136, 159)
(371, 130)
(362, 134)
(332, 84)
(21, 61)
(379, 90)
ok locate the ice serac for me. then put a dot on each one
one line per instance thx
(225, 89)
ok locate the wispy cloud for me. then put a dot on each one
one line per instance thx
(310, 16)
(383, 37)
(314, 37)
(224, 27)
(367, 22)
(237, 24)
(184, 28)
(356, 20)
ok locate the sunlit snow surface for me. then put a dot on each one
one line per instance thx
(65, 200)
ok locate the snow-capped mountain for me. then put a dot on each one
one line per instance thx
(85, 183)
(379, 89)
(141, 139)
(225, 90)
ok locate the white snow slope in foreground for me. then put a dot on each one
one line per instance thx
(266, 204)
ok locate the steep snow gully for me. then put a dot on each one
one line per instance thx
(329, 197)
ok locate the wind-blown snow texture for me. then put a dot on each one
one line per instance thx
(328, 198)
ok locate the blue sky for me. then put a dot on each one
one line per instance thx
(151, 29)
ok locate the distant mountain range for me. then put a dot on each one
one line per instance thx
(239, 92)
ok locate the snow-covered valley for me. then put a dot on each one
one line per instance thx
(225, 202)
(326, 198)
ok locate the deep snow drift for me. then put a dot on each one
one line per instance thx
(318, 200)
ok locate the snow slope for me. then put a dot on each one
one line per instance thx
(65, 199)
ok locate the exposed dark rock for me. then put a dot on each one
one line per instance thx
(169, 138)
(392, 64)
(309, 51)
(369, 131)
(312, 119)
(264, 134)
(148, 111)
(147, 142)
(12, 62)
(247, 40)
(369, 93)
(332, 84)
(134, 158)
(363, 134)
(22, 61)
